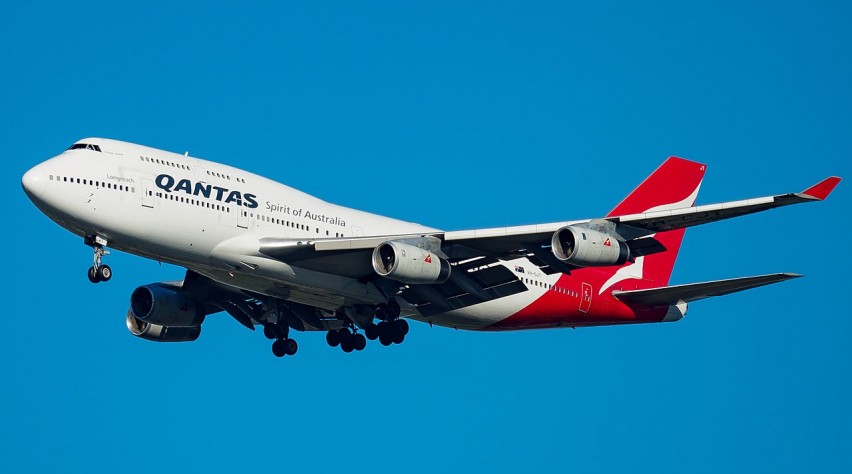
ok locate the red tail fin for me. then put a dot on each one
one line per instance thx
(673, 185)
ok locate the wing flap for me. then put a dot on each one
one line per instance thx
(668, 295)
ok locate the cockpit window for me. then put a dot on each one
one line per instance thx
(84, 146)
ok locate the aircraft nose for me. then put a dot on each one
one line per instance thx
(34, 181)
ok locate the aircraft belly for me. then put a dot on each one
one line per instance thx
(482, 315)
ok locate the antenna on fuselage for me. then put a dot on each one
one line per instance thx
(186, 153)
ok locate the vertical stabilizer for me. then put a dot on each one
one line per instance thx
(673, 185)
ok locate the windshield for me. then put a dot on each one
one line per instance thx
(84, 146)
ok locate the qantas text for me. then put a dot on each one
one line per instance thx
(168, 184)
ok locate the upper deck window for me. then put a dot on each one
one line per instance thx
(84, 146)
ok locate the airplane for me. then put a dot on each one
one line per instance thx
(269, 255)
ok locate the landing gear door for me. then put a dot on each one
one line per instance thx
(585, 298)
(147, 193)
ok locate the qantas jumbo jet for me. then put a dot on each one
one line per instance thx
(269, 255)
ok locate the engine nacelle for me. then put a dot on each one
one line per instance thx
(588, 248)
(409, 264)
(163, 306)
(158, 333)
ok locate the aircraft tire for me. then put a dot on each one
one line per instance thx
(371, 331)
(332, 338)
(279, 349)
(93, 275)
(392, 309)
(104, 273)
(401, 326)
(290, 347)
(359, 342)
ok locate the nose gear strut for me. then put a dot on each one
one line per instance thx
(98, 272)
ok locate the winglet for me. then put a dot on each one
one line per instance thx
(822, 189)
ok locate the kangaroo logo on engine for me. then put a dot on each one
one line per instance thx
(168, 184)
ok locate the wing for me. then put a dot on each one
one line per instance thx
(350, 256)
(662, 202)
(656, 221)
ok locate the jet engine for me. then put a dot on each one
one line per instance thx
(588, 248)
(158, 333)
(164, 306)
(409, 264)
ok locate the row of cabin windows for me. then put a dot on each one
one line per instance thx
(164, 162)
(90, 182)
(557, 289)
(224, 176)
(183, 167)
(294, 225)
(191, 201)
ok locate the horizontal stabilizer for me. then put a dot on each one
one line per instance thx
(668, 295)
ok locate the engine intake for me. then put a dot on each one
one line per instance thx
(159, 333)
(156, 304)
(409, 264)
(588, 248)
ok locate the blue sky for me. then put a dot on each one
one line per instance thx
(487, 114)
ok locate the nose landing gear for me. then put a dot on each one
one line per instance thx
(98, 272)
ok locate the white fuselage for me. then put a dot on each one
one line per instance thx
(208, 217)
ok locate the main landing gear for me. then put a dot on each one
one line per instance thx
(282, 345)
(347, 339)
(390, 330)
(98, 272)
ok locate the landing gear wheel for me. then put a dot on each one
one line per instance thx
(104, 273)
(347, 345)
(385, 339)
(290, 346)
(359, 342)
(279, 348)
(269, 331)
(401, 326)
(392, 309)
(371, 331)
(93, 275)
(398, 337)
(282, 330)
(332, 338)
